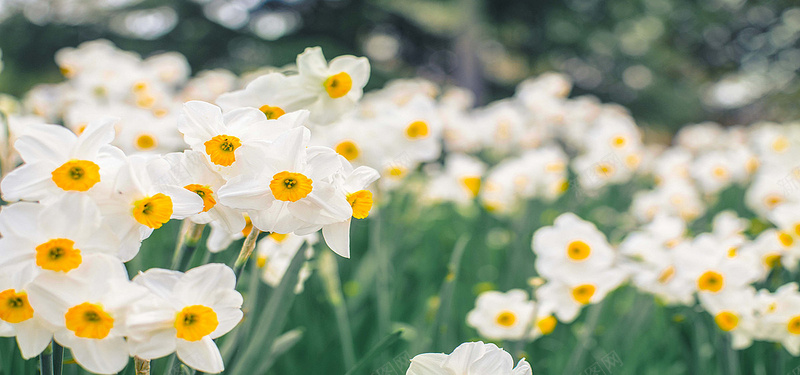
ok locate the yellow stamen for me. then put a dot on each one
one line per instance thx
(348, 149)
(58, 255)
(14, 306)
(794, 325)
(76, 175)
(578, 250)
(547, 324)
(666, 275)
(195, 322)
(710, 281)
(338, 85)
(506, 318)
(289, 186)
(785, 239)
(221, 149)
(153, 211)
(271, 112)
(583, 293)
(89, 321)
(727, 321)
(772, 201)
(473, 184)
(417, 130)
(204, 191)
(145, 142)
(772, 260)
(361, 201)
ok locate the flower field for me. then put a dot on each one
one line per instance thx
(287, 220)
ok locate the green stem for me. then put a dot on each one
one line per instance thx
(576, 359)
(188, 240)
(58, 358)
(46, 361)
(329, 271)
(244, 254)
(384, 293)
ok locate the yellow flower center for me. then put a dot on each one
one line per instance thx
(145, 142)
(58, 255)
(89, 320)
(732, 252)
(278, 237)
(396, 171)
(772, 260)
(417, 130)
(578, 250)
(195, 322)
(220, 149)
(666, 275)
(785, 239)
(473, 184)
(794, 325)
(547, 325)
(272, 112)
(710, 281)
(153, 211)
(780, 144)
(67, 71)
(14, 306)
(160, 112)
(76, 175)
(727, 321)
(338, 85)
(720, 173)
(361, 201)
(348, 149)
(506, 318)
(583, 293)
(289, 186)
(140, 87)
(604, 169)
(772, 201)
(618, 141)
(204, 191)
(145, 101)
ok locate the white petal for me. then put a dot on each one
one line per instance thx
(30, 181)
(337, 236)
(202, 355)
(199, 285)
(45, 142)
(97, 134)
(106, 356)
(32, 337)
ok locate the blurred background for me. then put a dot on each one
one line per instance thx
(671, 62)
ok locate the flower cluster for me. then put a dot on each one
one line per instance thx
(129, 158)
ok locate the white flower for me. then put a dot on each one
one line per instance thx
(137, 203)
(571, 246)
(184, 313)
(287, 186)
(330, 89)
(471, 358)
(53, 238)
(192, 170)
(89, 310)
(17, 318)
(57, 161)
(502, 316)
(268, 94)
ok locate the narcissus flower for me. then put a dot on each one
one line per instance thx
(192, 170)
(329, 90)
(89, 310)
(16, 314)
(353, 184)
(54, 237)
(470, 358)
(220, 137)
(287, 186)
(141, 202)
(502, 316)
(58, 161)
(185, 313)
(572, 246)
